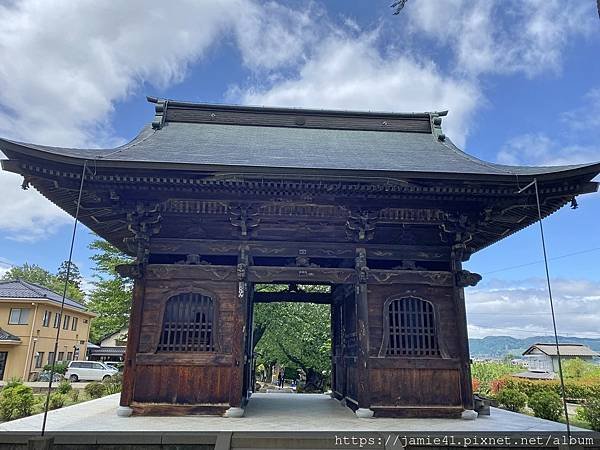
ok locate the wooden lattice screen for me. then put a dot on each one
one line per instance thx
(188, 324)
(411, 328)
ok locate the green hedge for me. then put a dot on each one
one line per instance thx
(574, 389)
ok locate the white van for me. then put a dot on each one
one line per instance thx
(89, 371)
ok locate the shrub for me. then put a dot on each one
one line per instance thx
(75, 395)
(497, 385)
(95, 389)
(590, 412)
(574, 389)
(486, 372)
(57, 400)
(64, 387)
(16, 401)
(512, 399)
(59, 367)
(546, 405)
(13, 382)
(475, 384)
(113, 384)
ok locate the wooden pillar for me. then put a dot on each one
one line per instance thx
(236, 381)
(466, 387)
(133, 338)
(362, 332)
(334, 339)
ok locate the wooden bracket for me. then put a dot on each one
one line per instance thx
(360, 225)
(143, 221)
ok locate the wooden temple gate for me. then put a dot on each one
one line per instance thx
(213, 199)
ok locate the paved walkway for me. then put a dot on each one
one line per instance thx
(269, 412)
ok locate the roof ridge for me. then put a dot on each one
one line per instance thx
(560, 343)
(35, 285)
(164, 103)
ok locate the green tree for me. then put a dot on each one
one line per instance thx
(55, 282)
(74, 274)
(110, 297)
(295, 335)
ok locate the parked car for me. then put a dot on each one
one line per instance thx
(89, 371)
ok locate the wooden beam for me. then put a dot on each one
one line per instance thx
(307, 275)
(285, 296)
(289, 249)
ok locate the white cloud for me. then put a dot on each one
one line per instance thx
(353, 73)
(69, 63)
(65, 65)
(26, 215)
(498, 36)
(5, 266)
(539, 149)
(521, 308)
(587, 116)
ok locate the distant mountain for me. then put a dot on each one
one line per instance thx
(500, 346)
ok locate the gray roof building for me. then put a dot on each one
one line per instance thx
(565, 350)
(19, 289)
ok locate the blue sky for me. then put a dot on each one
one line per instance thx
(521, 80)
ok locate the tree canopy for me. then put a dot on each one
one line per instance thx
(110, 297)
(295, 335)
(53, 281)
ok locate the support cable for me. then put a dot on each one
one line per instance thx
(560, 371)
(64, 295)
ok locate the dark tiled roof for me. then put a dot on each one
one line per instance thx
(25, 289)
(221, 136)
(6, 336)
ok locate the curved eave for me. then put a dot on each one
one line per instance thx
(14, 149)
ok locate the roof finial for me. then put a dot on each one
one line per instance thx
(160, 109)
(436, 124)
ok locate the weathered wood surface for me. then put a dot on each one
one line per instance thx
(415, 387)
(169, 409)
(187, 377)
(289, 249)
(135, 321)
(462, 336)
(182, 384)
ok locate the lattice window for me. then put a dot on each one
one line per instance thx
(411, 328)
(188, 324)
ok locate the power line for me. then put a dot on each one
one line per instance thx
(540, 261)
(64, 296)
(534, 183)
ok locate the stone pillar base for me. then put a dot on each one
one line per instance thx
(364, 413)
(234, 412)
(124, 411)
(469, 414)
